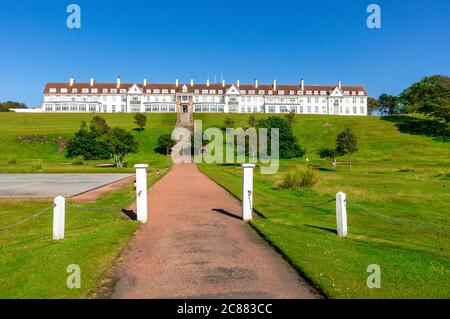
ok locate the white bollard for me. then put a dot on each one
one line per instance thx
(247, 191)
(341, 214)
(59, 211)
(141, 192)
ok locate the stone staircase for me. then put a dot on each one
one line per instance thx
(185, 120)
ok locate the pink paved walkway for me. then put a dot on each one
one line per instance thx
(194, 247)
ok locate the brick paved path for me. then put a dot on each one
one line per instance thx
(195, 246)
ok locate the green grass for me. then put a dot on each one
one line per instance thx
(19, 156)
(33, 265)
(399, 175)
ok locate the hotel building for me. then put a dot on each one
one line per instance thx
(221, 97)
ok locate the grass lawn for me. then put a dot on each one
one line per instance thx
(33, 265)
(405, 177)
(21, 154)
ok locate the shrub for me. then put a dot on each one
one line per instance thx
(86, 144)
(165, 143)
(78, 161)
(12, 161)
(36, 165)
(299, 177)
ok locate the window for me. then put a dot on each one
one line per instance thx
(220, 108)
(271, 109)
(198, 108)
(74, 90)
(242, 109)
(73, 107)
(113, 109)
(316, 109)
(94, 91)
(172, 108)
(85, 90)
(82, 107)
(281, 92)
(165, 91)
(309, 108)
(63, 90)
(114, 91)
(205, 108)
(324, 109)
(155, 108)
(316, 100)
(65, 107)
(92, 108)
(249, 109)
(52, 90)
(309, 100)
(354, 110)
(163, 108)
(213, 108)
(148, 108)
(293, 109)
(283, 109)
(301, 108)
(261, 92)
(354, 100)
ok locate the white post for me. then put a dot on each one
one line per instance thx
(141, 192)
(247, 191)
(341, 214)
(59, 211)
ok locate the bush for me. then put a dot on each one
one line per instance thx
(78, 161)
(299, 177)
(165, 143)
(36, 165)
(85, 144)
(12, 161)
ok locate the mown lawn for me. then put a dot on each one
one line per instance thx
(398, 198)
(33, 265)
(22, 154)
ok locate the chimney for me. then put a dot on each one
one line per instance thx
(256, 83)
(303, 84)
(176, 82)
(71, 81)
(118, 81)
(92, 81)
(238, 83)
(192, 82)
(207, 82)
(145, 81)
(275, 84)
(339, 85)
(223, 83)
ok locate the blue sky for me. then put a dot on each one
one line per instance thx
(322, 41)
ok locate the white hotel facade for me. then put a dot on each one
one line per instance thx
(222, 97)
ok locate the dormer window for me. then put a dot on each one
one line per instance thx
(157, 91)
(204, 91)
(220, 92)
(212, 91)
(85, 90)
(122, 91)
(63, 90)
(172, 91)
(251, 91)
(74, 91)
(94, 91)
(165, 91)
(114, 91)
(291, 92)
(105, 90)
(261, 92)
(148, 90)
(197, 91)
(281, 92)
(52, 90)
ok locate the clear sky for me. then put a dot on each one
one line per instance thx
(322, 41)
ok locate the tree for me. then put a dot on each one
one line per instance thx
(86, 144)
(98, 125)
(346, 143)
(430, 96)
(8, 105)
(252, 121)
(121, 142)
(140, 120)
(165, 143)
(289, 147)
(372, 105)
(328, 153)
(290, 117)
(388, 103)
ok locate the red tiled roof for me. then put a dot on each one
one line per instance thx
(191, 89)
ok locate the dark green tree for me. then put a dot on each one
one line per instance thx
(388, 103)
(140, 120)
(121, 142)
(229, 122)
(347, 143)
(372, 105)
(290, 117)
(85, 144)
(252, 121)
(98, 125)
(165, 143)
(289, 147)
(330, 153)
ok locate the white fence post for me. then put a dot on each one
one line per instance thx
(247, 191)
(59, 211)
(141, 192)
(341, 214)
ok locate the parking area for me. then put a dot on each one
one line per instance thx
(52, 185)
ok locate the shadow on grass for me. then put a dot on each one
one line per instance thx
(130, 214)
(419, 126)
(331, 230)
